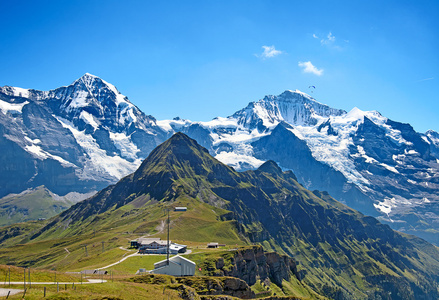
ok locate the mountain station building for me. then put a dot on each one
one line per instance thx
(178, 266)
(157, 246)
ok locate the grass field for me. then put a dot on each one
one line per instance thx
(106, 290)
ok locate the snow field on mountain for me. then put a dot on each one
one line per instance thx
(115, 166)
(41, 154)
(89, 119)
(6, 107)
(333, 150)
(79, 100)
(124, 144)
(20, 92)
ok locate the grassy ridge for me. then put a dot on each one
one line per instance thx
(64, 249)
(31, 205)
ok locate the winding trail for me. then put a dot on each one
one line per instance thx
(121, 260)
(51, 282)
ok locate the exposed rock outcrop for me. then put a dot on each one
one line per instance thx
(252, 263)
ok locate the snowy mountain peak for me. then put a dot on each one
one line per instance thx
(358, 114)
(15, 91)
(293, 107)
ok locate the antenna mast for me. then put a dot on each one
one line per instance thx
(167, 249)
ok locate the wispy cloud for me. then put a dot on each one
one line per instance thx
(269, 51)
(308, 67)
(426, 79)
(329, 40)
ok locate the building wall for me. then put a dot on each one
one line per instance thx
(177, 267)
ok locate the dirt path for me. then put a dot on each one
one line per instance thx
(4, 292)
(51, 282)
(118, 262)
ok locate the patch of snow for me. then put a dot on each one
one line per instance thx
(235, 160)
(411, 181)
(220, 122)
(79, 100)
(426, 200)
(386, 205)
(126, 113)
(168, 125)
(41, 154)
(20, 92)
(6, 107)
(362, 153)
(115, 166)
(36, 141)
(34, 149)
(390, 168)
(127, 148)
(410, 152)
(425, 139)
(89, 119)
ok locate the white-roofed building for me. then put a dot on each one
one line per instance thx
(178, 266)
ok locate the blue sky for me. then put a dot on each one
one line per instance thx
(202, 59)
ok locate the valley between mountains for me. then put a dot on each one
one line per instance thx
(325, 187)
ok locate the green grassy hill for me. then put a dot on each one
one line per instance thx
(38, 203)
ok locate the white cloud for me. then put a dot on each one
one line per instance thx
(426, 79)
(330, 39)
(315, 36)
(269, 51)
(308, 67)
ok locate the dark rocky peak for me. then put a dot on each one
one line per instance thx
(183, 144)
(432, 133)
(409, 134)
(181, 157)
(330, 129)
(282, 126)
(270, 167)
(98, 89)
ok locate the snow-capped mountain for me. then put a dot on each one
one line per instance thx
(75, 138)
(87, 135)
(292, 107)
(373, 164)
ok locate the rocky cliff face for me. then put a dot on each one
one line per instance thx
(251, 264)
(191, 288)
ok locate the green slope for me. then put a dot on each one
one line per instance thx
(34, 204)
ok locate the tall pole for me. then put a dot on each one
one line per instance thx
(167, 252)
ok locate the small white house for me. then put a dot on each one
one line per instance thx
(178, 266)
